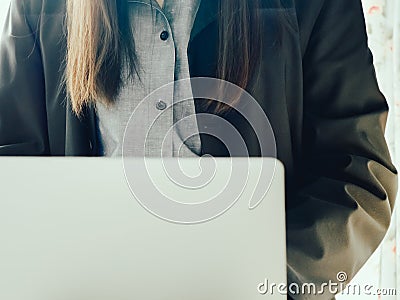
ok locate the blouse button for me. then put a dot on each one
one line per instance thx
(164, 35)
(161, 105)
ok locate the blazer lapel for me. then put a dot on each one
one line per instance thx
(206, 14)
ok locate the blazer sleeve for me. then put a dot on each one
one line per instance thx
(341, 208)
(23, 125)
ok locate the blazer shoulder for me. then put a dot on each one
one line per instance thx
(39, 7)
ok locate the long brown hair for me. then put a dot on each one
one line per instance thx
(100, 43)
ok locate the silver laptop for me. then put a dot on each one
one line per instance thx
(86, 229)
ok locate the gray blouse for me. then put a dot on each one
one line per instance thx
(161, 40)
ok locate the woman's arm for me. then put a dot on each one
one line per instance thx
(342, 208)
(23, 125)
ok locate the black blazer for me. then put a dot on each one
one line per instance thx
(317, 85)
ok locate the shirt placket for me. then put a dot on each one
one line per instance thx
(159, 140)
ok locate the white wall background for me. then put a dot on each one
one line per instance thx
(384, 31)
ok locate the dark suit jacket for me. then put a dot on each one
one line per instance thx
(317, 85)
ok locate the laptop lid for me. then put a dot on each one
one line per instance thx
(71, 229)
